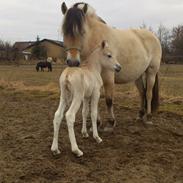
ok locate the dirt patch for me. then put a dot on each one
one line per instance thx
(134, 153)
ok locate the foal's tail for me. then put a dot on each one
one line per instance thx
(66, 89)
(155, 95)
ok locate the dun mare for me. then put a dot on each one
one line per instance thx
(82, 85)
(137, 50)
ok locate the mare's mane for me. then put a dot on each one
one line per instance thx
(73, 24)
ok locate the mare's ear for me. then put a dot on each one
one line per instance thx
(63, 8)
(85, 8)
(104, 44)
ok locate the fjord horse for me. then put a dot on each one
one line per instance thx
(82, 85)
(137, 50)
(44, 64)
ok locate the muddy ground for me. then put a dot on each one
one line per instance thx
(133, 153)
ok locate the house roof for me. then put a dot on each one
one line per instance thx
(20, 46)
(58, 43)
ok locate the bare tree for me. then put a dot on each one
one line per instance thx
(177, 40)
(164, 35)
(144, 26)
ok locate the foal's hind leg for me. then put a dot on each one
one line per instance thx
(70, 118)
(56, 124)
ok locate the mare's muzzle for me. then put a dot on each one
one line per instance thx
(72, 63)
(73, 57)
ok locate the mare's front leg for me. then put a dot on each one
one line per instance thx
(70, 118)
(108, 80)
(56, 125)
(94, 112)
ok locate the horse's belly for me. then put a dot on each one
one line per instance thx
(131, 72)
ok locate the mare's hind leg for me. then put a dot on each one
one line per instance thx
(142, 93)
(150, 76)
(70, 118)
(56, 125)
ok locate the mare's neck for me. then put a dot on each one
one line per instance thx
(96, 32)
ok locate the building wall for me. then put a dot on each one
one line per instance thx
(53, 50)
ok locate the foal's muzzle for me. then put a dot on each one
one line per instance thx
(117, 67)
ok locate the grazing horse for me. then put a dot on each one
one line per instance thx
(137, 50)
(82, 85)
(42, 65)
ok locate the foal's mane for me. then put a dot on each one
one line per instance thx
(74, 20)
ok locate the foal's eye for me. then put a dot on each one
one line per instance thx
(109, 56)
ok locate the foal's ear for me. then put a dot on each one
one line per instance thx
(63, 8)
(85, 8)
(104, 44)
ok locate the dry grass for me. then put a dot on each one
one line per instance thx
(25, 78)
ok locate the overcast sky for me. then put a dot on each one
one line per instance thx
(23, 20)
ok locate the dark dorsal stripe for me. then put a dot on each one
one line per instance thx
(101, 20)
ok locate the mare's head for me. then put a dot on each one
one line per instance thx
(74, 28)
(106, 58)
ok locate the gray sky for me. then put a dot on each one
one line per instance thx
(25, 19)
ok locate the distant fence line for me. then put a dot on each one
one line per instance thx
(173, 59)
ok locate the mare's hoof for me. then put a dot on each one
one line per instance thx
(138, 119)
(108, 129)
(148, 123)
(147, 119)
(85, 135)
(78, 152)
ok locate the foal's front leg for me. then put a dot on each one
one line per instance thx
(85, 112)
(94, 111)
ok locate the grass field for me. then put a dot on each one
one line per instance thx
(133, 153)
(24, 78)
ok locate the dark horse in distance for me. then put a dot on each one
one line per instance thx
(44, 64)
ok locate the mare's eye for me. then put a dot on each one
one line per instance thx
(109, 56)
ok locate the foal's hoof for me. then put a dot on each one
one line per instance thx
(78, 152)
(56, 152)
(98, 139)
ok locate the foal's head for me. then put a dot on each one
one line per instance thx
(107, 59)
